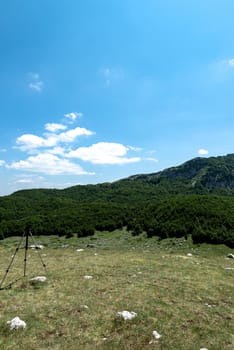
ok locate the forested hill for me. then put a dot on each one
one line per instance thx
(195, 198)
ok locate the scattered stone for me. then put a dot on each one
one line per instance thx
(80, 250)
(203, 349)
(16, 323)
(36, 246)
(87, 277)
(229, 268)
(84, 307)
(231, 256)
(189, 254)
(127, 315)
(156, 335)
(38, 278)
(208, 305)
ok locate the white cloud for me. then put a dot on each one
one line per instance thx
(152, 159)
(29, 179)
(36, 86)
(35, 83)
(73, 115)
(24, 181)
(223, 66)
(30, 142)
(221, 70)
(2, 162)
(48, 164)
(231, 62)
(103, 153)
(136, 149)
(203, 151)
(71, 135)
(53, 127)
(60, 151)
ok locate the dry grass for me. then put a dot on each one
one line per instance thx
(188, 300)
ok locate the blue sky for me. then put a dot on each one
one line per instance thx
(94, 91)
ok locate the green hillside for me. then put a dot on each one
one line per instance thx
(194, 198)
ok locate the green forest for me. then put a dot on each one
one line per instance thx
(195, 198)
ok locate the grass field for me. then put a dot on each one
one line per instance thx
(187, 299)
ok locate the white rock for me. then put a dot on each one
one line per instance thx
(203, 349)
(127, 315)
(189, 254)
(156, 335)
(80, 250)
(39, 279)
(87, 277)
(208, 305)
(229, 268)
(231, 256)
(16, 323)
(84, 307)
(36, 246)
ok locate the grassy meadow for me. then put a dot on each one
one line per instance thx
(187, 299)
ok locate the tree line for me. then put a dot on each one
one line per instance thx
(207, 218)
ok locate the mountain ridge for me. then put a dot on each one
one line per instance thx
(209, 172)
(219, 170)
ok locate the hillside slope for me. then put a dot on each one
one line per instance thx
(199, 175)
(135, 202)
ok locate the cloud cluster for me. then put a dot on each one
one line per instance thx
(29, 142)
(55, 152)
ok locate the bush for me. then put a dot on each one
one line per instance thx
(86, 231)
